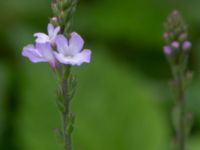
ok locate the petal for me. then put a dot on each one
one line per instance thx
(54, 34)
(76, 43)
(46, 51)
(50, 29)
(32, 53)
(41, 38)
(57, 29)
(62, 44)
(77, 60)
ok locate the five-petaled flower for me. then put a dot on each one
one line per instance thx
(55, 49)
(69, 51)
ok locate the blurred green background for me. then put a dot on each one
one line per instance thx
(123, 101)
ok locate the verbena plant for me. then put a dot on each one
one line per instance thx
(62, 49)
(177, 51)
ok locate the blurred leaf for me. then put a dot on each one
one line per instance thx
(4, 83)
(194, 143)
(114, 109)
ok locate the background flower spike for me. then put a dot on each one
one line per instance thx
(177, 52)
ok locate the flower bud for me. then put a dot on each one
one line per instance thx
(55, 8)
(54, 21)
(166, 35)
(175, 13)
(183, 37)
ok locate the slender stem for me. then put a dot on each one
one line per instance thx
(63, 11)
(66, 136)
(181, 107)
(182, 103)
(66, 112)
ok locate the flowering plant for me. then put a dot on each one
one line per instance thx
(177, 52)
(62, 49)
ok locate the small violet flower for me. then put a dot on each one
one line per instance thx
(167, 50)
(52, 33)
(70, 51)
(175, 44)
(187, 45)
(42, 52)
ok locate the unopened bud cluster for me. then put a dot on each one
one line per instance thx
(176, 36)
(63, 11)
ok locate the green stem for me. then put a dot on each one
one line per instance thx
(66, 112)
(66, 135)
(64, 10)
(181, 136)
(181, 110)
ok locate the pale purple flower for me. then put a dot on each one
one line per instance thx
(42, 52)
(52, 33)
(167, 50)
(175, 44)
(70, 51)
(187, 45)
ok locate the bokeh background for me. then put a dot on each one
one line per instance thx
(123, 101)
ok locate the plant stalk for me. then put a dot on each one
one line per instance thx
(63, 11)
(180, 122)
(66, 112)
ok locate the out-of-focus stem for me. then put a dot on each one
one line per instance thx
(181, 102)
(181, 110)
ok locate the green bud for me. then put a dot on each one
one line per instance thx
(54, 21)
(55, 9)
